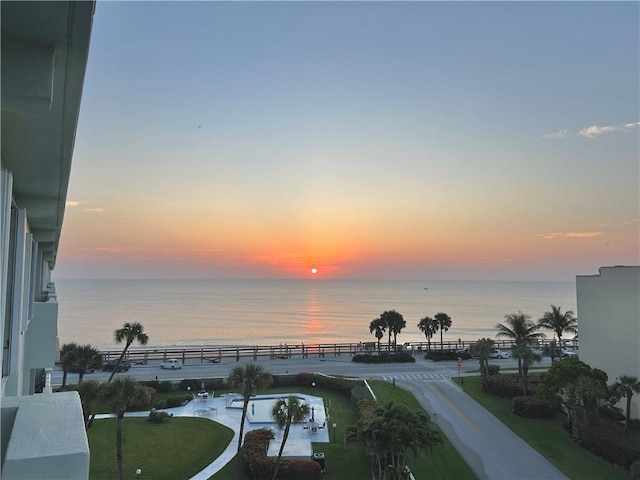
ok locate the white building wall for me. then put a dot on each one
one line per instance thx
(609, 323)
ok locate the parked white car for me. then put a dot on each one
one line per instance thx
(171, 363)
(499, 354)
(566, 353)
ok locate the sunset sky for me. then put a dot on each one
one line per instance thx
(365, 139)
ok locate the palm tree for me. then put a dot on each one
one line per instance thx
(429, 326)
(521, 330)
(129, 333)
(625, 386)
(483, 349)
(251, 378)
(395, 323)
(86, 357)
(122, 394)
(552, 350)
(559, 322)
(444, 322)
(394, 432)
(285, 412)
(67, 358)
(589, 390)
(378, 327)
(525, 355)
(89, 391)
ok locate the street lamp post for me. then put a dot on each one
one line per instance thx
(334, 432)
(138, 472)
(313, 389)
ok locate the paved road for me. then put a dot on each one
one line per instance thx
(491, 449)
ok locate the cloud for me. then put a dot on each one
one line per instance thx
(71, 203)
(93, 210)
(553, 235)
(595, 130)
(558, 134)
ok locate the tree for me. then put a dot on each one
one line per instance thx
(428, 326)
(86, 357)
(552, 350)
(122, 394)
(378, 326)
(525, 355)
(521, 330)
(589, 390)
(90, 391)
(483, 349)
(625, 386)
(390, 435)
(251, 378)
(67, 358)
(559, 322)
(129, 333)
(560, 382)
(395, 323)
(444, 323)
(285, 412)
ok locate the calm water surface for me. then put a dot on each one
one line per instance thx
(268, 312)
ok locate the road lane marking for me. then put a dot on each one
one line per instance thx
(455, 409)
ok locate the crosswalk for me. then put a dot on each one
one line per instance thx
(430, 377)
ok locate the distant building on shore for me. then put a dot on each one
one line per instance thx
(609, 323)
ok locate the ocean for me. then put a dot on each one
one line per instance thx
(270, 312)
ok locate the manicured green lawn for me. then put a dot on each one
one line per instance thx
(548, 437)
(446, 462)
(176, 449)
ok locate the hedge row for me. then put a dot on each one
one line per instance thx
(605, 440)
(532, 407)
(507, 385)
(384, 358)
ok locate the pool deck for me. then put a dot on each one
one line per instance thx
(215, 408)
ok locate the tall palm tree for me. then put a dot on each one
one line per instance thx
(444, 323)
(67, 358)
(377, 326)
(483, 349)
(90, 391)
(625, 386)
(285, 412)
(122, 394)
(395, 323)
(86, 357)
(251, 378)
(429, 326)
(129, 333)
(559, 322)
(521, 330)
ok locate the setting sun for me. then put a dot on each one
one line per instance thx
(314, 270)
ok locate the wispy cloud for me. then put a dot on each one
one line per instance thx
(93, 210)
(595, 130)
(558, 134)
(71, 203)
(553, 235)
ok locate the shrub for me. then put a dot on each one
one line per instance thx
(634, 471)
(494, 369)
(532, 407)
(606, 440)
(611, 411)
(299, 470)
(384, 358)
(172, 402)
(358, 394)
(342, 385)
(157, 417)
(503, 385)
(254, 454)
(366, 407)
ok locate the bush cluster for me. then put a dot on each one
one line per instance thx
(611, 411)
(532, 407)
(260, 467)
(172, 402)
(503, 385)
(606, 440)
(341, 385)
(157, 417)
(493, 369)
(358, 394)
(437, 355)
(400, 357)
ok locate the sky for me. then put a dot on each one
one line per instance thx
(392, 140)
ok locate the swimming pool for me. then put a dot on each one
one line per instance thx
(259, 409)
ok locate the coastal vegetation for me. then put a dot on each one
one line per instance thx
(625, 387)
(519, 328)
(129, 333)
(429, 326)
(390, 321)
(559, 322)
(285, 412)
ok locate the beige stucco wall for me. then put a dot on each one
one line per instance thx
(609, 323)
